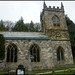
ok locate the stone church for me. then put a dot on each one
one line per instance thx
(51, 47)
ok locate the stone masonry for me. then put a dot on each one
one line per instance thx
(23, 48)
(49, 39)
(59, 34)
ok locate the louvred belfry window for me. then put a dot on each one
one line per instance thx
(56, 21)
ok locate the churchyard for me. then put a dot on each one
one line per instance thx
(64, 70)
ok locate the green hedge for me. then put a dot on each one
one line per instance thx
(2, 47)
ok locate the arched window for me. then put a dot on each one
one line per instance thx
(35, 52)
(60, 54)
(56, 21)
(12, 53)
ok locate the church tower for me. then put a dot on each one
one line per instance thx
(53, 24)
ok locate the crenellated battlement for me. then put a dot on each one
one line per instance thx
(54, 8)
(51, 9)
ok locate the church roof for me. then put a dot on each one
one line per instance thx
(25, 35)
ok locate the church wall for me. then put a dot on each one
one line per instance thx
(58, 32)
(2, 65)
(46, 54)
(49, 21)
(68, 58)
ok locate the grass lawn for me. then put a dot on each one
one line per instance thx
(47, 70)
(40, 71)
(4, 73)
(65, 72)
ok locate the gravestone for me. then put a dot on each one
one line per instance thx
(30, 64)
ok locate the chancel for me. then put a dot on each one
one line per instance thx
(50, 48)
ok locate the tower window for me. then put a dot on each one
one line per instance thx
(35, 52)
(60, 54)
(12, 53)
(56, 21)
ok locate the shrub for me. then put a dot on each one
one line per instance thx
(2, 47)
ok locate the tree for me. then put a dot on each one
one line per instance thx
(27, 27)
(71, 29)
(2, 27)
(37, 27)
(32, 26)
(70, 23)
(9, 25)
(2, 47)
(20, 26)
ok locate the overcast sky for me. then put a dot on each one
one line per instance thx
(30, 10)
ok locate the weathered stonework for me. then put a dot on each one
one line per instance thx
(23, 48)
(53, 37)
(68, 59)
(59, 34)
(48, 53)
